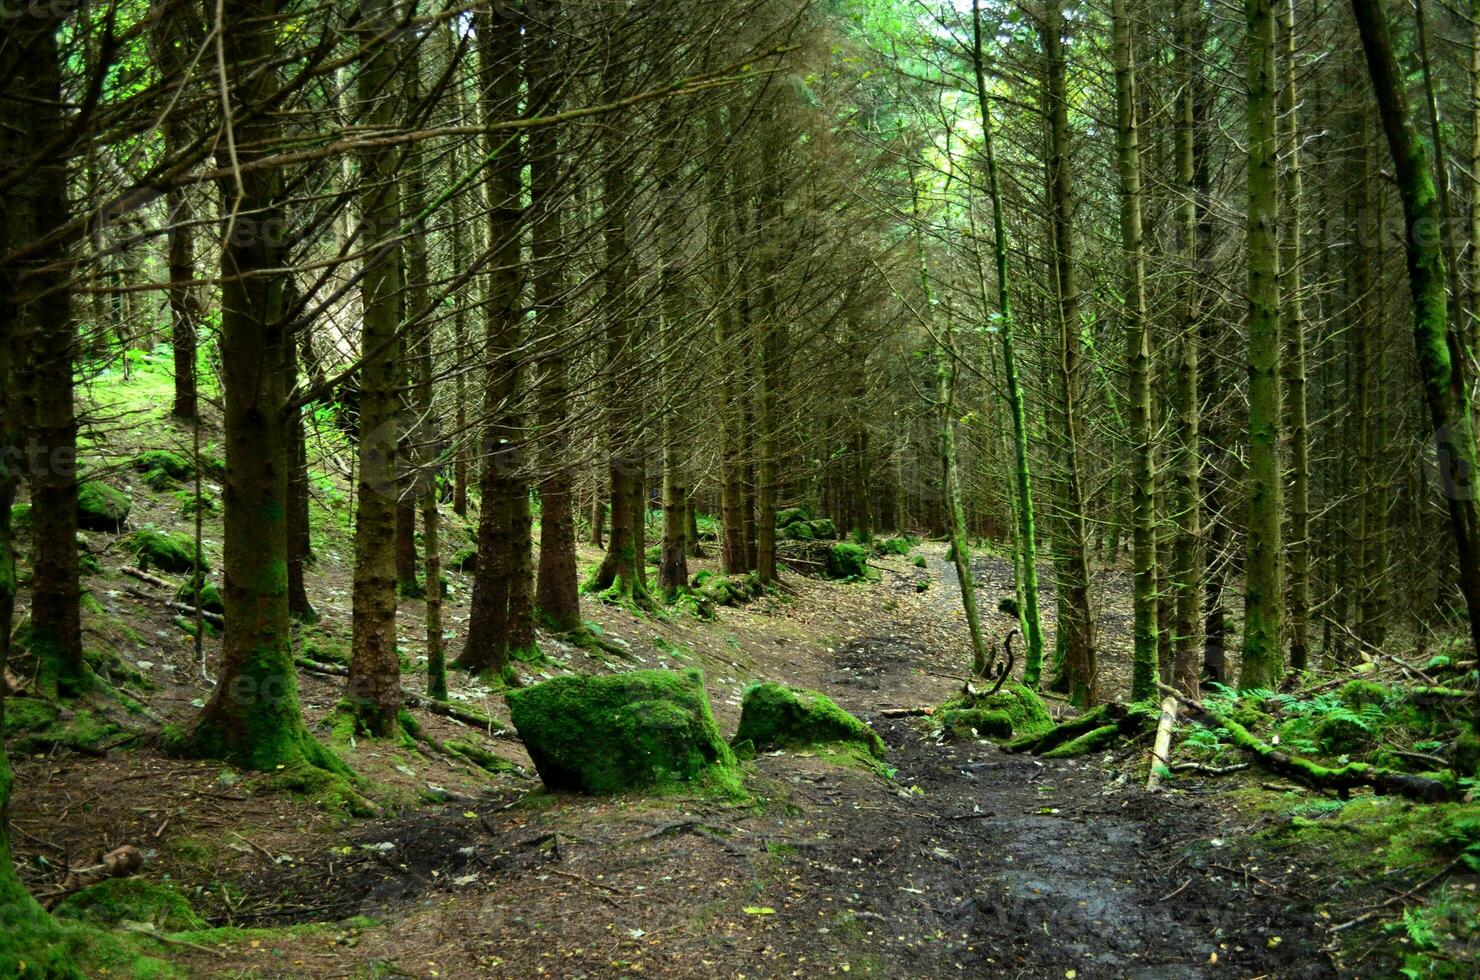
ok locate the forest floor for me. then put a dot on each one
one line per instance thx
(961, 860)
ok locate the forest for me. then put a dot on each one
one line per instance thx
(744, 488)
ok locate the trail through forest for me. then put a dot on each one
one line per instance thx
(968, 860)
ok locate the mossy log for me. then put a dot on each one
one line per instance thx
(1342, 780)
(1092, 731)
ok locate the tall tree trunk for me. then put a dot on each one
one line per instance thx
(1186, 500)
(1027, 533)
(45, 342)
(1439, 360)
(300, 543)
(673, 566)
(1144, 670)
(1263, 662)
(374, 689)
(493, 619)
(772, 328)
(623, 570)
(555, 591)
(1293, 366)
(732, 552)
(252, 718)
(1076, 622)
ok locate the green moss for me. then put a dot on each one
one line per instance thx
(101, 507)
(918, 561)
(118, 900)
(1358, 694)
(170, 465)
(787, 516)
(165, 550)
(186, 499)
(1022, 707)
(210, 596)
(1466, 754)
(976, 723)
(464, 559)
(823, 529)
(29, 714)
(776, 716)
(33, 944)
(622, 732)
(798, 531)
(20, 517)
(1094, 740)
(846, 560)
(893, 546)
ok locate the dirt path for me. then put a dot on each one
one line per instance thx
(969, 862)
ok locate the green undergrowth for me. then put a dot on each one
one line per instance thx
(36, 945)
(1380, 845)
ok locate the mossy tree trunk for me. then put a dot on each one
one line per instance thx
(1076, 626)
(1440, 353)
(1186, 500)
(1027, 532)
(1293, 362)
(556, 594)
(494, 618)
(253, 718)
(1263, 662)
(1144, 669)
(374, 689)
(45, 344)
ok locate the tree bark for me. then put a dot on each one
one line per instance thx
(1263, 663)
(374, 689)
(1440, 363)
(1144, 670)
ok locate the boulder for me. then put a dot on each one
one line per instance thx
(787, 516)
(622, 732)
(846, 560)
(100, 507)
(776, 716)
(823, 529)
(165, 550)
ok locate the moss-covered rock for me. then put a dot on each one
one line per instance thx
(846, 560)
(976, 723)
(20, 517)
(1019, 704)
(172, 465)
(776, 716)
(119, 900)
(101, 507)
(165, 550)
(787, 516)
(823, 529)
(464, 559)
(622, 732)
(798, 531)
(1466, 754)
(893, 546)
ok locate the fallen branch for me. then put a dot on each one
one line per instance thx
(1163, 745)
(215, 619)
(489, 726)
(1342, 780)
(906, 712)
(1373, 912)
(314, 667)
(144, 576)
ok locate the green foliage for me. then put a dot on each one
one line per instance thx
(775, 716)
(623, 732)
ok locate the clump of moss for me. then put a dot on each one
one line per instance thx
(893, 546)
(118, 900)
(823, 529)
(776, 716)
(165, 550)
(20, 517)
(787, 516)
(798, 531)
(464, 559)
(170, 466)
(846, 560)
(734, 590)
(976, 723)
(623, 732)
(210, 596)
(35, 944)
(101, 507)
(35, 725)
(1021, 707)
(918, 561)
